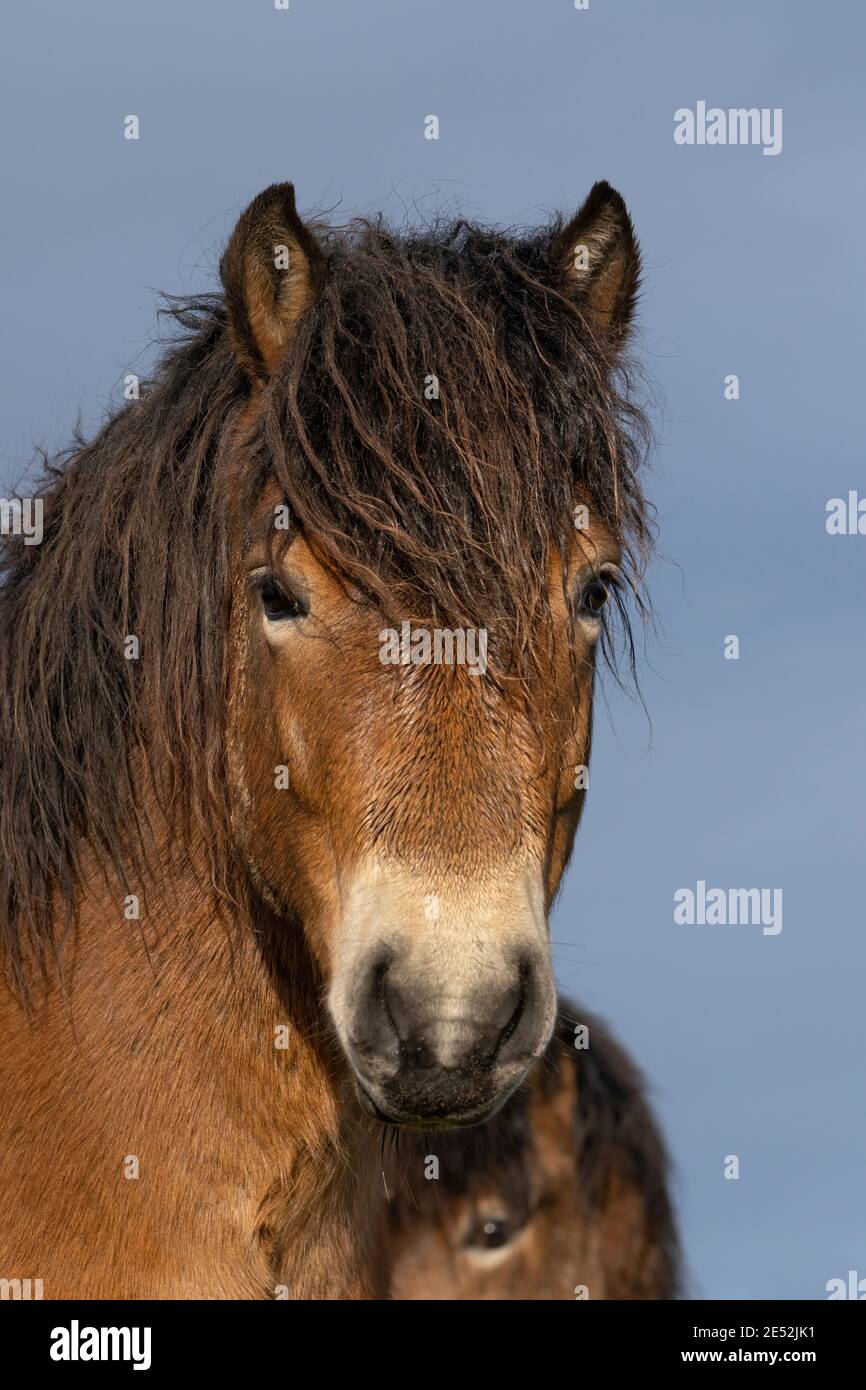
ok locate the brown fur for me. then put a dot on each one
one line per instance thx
(155, 777)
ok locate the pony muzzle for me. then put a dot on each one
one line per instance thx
(442, 1019)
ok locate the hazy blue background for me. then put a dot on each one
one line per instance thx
(753, 772)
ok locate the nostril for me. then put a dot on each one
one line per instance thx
(522, 1035)
(373, 1032)
(397, 1008)
(523, 981)
(378, 976)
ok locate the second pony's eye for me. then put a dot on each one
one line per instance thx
(278, 605)
(490, 1234)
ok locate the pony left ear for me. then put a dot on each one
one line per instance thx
(271, 270)
(598, 259)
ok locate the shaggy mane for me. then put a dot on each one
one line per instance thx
(449, 508)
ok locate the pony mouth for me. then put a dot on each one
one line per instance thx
(435, 1121)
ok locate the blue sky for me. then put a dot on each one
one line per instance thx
(751, 772)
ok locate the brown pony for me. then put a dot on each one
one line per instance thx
(266, 834)
(562, 1195)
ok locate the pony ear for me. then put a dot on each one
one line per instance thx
(271, 271)
(598, 259)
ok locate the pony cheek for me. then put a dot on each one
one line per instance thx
(563, 831)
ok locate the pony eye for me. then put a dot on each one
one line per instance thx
(595, 594)
(278, 606)
(594, 597)
(491, 1234)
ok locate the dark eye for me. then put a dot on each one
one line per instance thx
(278, 605)
(594, 597)
(491, 1234)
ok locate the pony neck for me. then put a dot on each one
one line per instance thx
(196, 1046)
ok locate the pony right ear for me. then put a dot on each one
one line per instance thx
(597, 260)
(271, 271)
